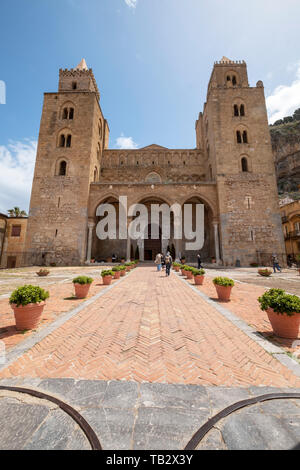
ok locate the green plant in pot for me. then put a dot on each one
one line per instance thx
(223, 287)
(283, 311)
(107, 276)
(189, 272)
(198, 276)
(123, 270)
(43, 272)
(117, 272)
(82, 286)
(176, 266)
(28, 303)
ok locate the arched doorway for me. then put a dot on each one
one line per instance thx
(152, 246)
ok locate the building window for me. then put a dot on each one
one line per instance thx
(235, 110)
(71, 113)
(244, 162)
(242, 110)
(68, 113)
(63, 168)
(238, 137)
(95, 174)
(245, 137)
(74, 86)
(65, 113)
(234, 80)
(62, 140)
(16, 231)
(69, 140)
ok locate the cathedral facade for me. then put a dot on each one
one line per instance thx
(230, 171)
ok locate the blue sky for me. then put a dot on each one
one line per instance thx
(152, 60)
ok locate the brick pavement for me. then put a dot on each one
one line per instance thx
(60, 301)
(245, 305)
(156, 329)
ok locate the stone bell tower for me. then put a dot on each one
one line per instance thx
(233, 131)
(73, 134)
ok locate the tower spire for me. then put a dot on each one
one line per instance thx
(82, 65)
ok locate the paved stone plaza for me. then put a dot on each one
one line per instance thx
(147, 361)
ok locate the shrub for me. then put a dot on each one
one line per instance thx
(254, 265)
(280, 302)
(198, 272)
(128, 264)
(82, 280)
(107, 272)
(223, 281)
(265, 272)
(188, 268)
(177, 264)
(28, 295)
(122, 268)
(117, 268)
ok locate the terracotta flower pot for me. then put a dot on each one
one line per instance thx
(107, 280)
(189, 275)
(81, 290)
(182, 272)
(117, 275)
(176, 268)
(127, 268)
(284, 325)
(123, 272)
(199, 279)
(28, 316)
(223, 292)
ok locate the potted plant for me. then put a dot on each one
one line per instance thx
(117, 272)
(28, 303)
(176, 266)
(43, 272)
(182, 266)
(283, 311)
(198, 276)
(189, 272)
(128, 266)
(182, 259)
(122, 259)
(223, 287)
(82, 286)
(107, 276)
(298, 262)
(213, 260)
(265, 272)
(122, 270)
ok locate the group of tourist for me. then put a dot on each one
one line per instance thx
(166, 261)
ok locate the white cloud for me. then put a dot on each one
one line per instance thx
(123, 142)
(131, 3)
(284, 99)
(17, 161)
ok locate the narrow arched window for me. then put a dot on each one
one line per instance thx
(98, 151)
(238, 137)
(242, 110)
(71, 113)
(228, 78)
(63, 168)
(234, 80)
(74, 86)
(69, 140)
(95, 174)
(244, 164)
(245, 137)
(62, 140)
(235, 110)
(65, 113)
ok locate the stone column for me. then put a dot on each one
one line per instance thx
(141, 245)
(91, 225)
(217, 245)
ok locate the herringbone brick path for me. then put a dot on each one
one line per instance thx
(156, 329)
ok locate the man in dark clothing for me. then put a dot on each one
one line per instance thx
(199, 261)
(168, 261)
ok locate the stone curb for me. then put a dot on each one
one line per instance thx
(276, 351)
(24, 346)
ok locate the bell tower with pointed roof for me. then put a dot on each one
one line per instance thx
(79, 79)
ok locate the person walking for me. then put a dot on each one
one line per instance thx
(158, 261)
(168, 261)
(275, 263)
(199, 261)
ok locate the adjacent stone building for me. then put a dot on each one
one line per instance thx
(12, 241)
(231, 171)
(290, 213)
